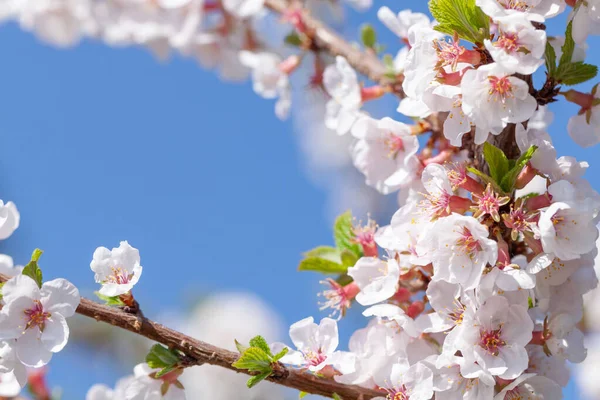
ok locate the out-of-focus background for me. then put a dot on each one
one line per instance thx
(103, 144)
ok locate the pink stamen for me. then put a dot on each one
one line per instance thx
(365, 236)
(119, 276)
(313, 359)
(338, 297)
(500, 88)
(509, 42)
(37, 316)
(491, 341)
(467, 243)
(489, 203)
(395, 144)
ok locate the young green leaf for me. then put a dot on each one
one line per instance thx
(302, 395)
(496, 160)
(486, 179)
(240, 347)
(254, 359)
(321, 265)
(336, 396)
(508, 181)
(368, 36)
(576, 73)
(343, 234)
(280, 355)
(257, 378)
(293, 39)
(261, 343)
(348, 258)
(164, 371)
(463, 17)
(568, 47)
(550, 56)
(110, 301)
(32, 269)
(325, 252)
(161, 357)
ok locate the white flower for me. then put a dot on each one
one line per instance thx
(243, 8)
(316, 344)
(519, 47)
(11, 369)
(343, 108)
(402, 22)
(532, 387)
(269, 78)
(117, 270)
(36, 317)
(103, 392)
(395, 314)
(535, 10)
(492, 99)
(567, 230)
(459, 249)
(414, 382)
(9, 219)
(385, 153)
(586, 20)
(9, 385)
(584, 128)
(377, 279)
(449, 384)
(554, 368)
(565, 339)
(145, 387)
(7, 266)
(494, 340)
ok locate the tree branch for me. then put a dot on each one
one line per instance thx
(199, 353)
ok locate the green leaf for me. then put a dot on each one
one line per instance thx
(348, 258)
(368, 36)
(321, 265)
(496, 160)
(164, 371)
(462, 17)
(550, 56)
(110, 301)
(325, 252)
(280, 355)
(32, 269)
(343, 234)
(568, 47)
(261, 343)
(256, 379)
(240, 347)
(302, 395)
(254, 359)
(293, 39)
(530, 302)
(508, 181)
(486, 179)
(161, 357)
(575, 73)
(336, 396)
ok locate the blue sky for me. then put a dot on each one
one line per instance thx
(103, 144)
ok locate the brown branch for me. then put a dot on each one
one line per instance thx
(199, 353)
(327, 40)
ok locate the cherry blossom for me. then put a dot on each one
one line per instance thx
(342, 85)
(103, 392)
(492, 98)
(145, 385)
(36, 317)
(411, 382)
(117, 270)
(9, 219)
(376, 279)
(316, 344)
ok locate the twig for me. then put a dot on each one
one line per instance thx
(199, 353)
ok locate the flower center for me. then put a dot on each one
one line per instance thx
(315, 358)
(448, 53)
(37, 316)
(500, 88)
(397, 394)
(467, 243)
(119, 276)
(395, 144)
(457, 313)
(338, 297)
(489, 203)
(515, 5)
(508, 41)
(513, 394)
(491, 341)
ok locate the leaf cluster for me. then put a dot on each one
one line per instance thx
(257, 358)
